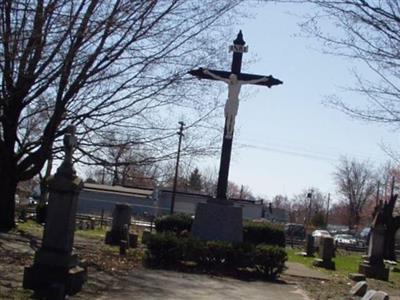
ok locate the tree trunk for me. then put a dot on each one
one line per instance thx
(8, 187)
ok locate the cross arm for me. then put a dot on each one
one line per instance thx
(250, 78)
(268, 81)
(199, 73)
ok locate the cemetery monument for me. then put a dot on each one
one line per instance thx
(56, 271)
(373, 266)
(218, 219)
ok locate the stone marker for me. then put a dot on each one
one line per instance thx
(375, 295)
(373, 266)
(326, 252)
(56, 270)
(357, 277)
(120, 226)
(218, 219)
(368, 295)
(359, 289)
(310, 245)
(380, 295)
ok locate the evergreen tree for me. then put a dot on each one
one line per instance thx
(195, 181)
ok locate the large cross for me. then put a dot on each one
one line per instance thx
(235, 79)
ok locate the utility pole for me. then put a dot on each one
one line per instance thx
(327, 209)
(180, 133)
(309, 196)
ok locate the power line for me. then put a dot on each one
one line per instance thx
(304, 152)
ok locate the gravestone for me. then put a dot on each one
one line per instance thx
(120, 227)
(375, 295)
(56, 270)
(310, 245)
(219, 219)
(326, 253)
(357, 277)
(373, 266)
(359, 289)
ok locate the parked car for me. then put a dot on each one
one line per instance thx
(318, 234)
(344, 240)
(364, 234)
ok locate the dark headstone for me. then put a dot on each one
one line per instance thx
(326, 252)
(310, 245)
(357, 277)
(120, 226)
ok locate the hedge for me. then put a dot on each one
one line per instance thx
(163, 250)
(263, 233)
(269, 260)
(174, 223)
(253, 232)
(167, 250)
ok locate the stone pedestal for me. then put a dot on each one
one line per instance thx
(377, 271)
(219, 221)
(56, 270)
(120, 226)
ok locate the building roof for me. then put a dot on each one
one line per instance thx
(127, 191)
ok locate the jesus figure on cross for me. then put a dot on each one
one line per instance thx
(232, 103)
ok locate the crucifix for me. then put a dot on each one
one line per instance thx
(234, 79)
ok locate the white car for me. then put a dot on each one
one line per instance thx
(344, 240)
(318, 234)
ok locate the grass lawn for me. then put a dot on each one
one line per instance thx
(346, 262)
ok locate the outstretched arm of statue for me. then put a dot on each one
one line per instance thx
(215, 76)
(255, 81)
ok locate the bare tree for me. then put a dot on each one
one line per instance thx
(356, 183)
(237, 191)
(100, 65)
(306, 204)
(367, 32)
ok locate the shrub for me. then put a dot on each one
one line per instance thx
(269, 260)
(218, 254)
(193, 249)
(174, 223)
(263, 233)
(242, 255)
(164, 250)
(167, 250)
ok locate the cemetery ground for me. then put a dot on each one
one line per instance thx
(108, 271)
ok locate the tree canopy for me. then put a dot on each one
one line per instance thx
(366, 32)
(104, 66)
